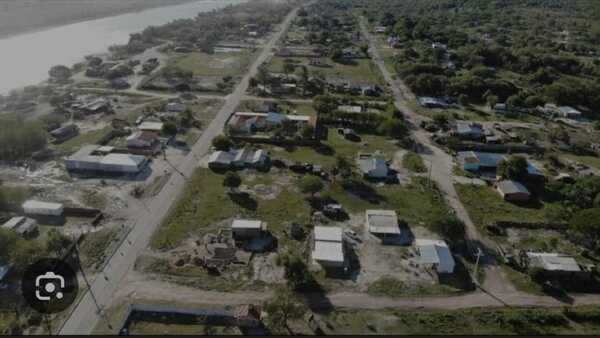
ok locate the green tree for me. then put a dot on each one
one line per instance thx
(222, 142)
(310, 184)
(296, 272)
(394, 128)
(343, 166)
(308, 132)
(440, 120)
(450, 227)
(515, 168)
(169, 128)
(284, 306)
(587, 222)
(60, 73)
(232, 181)
(288, 67)
(463, 100)
(57, 243)
(491, 100)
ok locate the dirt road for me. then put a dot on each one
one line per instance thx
(85, 314)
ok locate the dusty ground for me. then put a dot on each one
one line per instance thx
(17, 16)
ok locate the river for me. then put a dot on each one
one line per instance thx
(25, 59)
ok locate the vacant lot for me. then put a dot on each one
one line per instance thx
(485, 206)
(518, 321)
(358, 70)
(220, 64)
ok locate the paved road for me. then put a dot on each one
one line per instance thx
(85, 316)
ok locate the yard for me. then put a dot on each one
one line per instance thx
(485, 206)
(90, 137)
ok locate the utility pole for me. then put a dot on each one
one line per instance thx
(479, 254)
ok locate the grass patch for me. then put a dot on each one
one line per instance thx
(220, 64)
(154, 328)
(72, 145)
(94, 247)
(206, 202)
(360, 70)
(591, 161)
(485, 206)
(522, 281)
(94, 199)
(414, 163)
(521, 321)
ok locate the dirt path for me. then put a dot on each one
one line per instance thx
(441, 165)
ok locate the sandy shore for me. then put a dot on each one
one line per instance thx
(23, 16)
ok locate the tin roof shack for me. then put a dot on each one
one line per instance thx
(242, 158)
(93, 159)
(144, 143)
(151, 126)
(64, 133)
(328, 247)
(97, 106)
(383, 224)
(373, 166)
(469, 131)
(512, 191)
(436, 254)
(21, 225)
(244, 229)
(553, 264)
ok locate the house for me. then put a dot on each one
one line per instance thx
(513, 191)
(119, 83)
(380, 29)
(250, 122)
(350, 109)
(266, 107)
(435, 253)
(241, 158)
(383, 223)
(175, 107)
(553, 263)
(97, 106)
(469, 130)
(501, 108)
(432, 102)
(64, 133)
(151, 126)
(480, 161)
(437, 45)
(22, 225)
(37, 208)
(569, 113)
(373, 166)
(143, 143)
(328, 247)
(94, 158)
(244, 229)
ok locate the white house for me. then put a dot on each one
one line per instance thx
(435, 253)
(553, 262)
(151, 126)
(328, 248)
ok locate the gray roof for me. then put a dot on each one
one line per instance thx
(512, 187)
(553, 261)
(382, 221)
(329, 234)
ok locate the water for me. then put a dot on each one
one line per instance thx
(25, 59)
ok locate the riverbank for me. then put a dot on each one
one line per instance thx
(20, 17)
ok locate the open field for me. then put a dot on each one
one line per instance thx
(357, 70)
(485, 206)
(220, 64)
(521, 321)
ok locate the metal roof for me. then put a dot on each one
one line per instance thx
(553, 261)
(512, 187)
(246, 224)
(382, 221)
(123, 160)
(155, 126)
(32, 204)
(433, 251)
(329, 234)
(328, 251)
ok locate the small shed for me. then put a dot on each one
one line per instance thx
(247, 229)
(328, 249)
(383, 223)
(436, 254)
(513, 191)
(21, 225)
